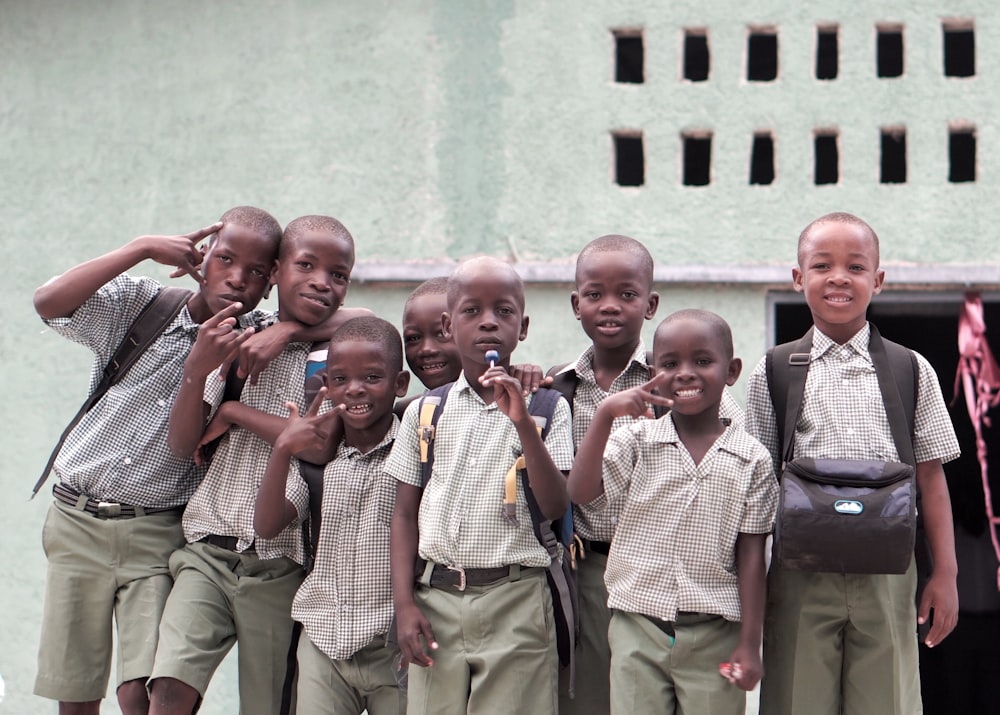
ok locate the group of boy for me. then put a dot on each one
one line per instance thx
(421, 523)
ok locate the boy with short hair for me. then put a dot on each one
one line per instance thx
(230, 584)
(345, 603)
(432, 356)
(697, 497)
(116, 460)
(481, 605)
(847, 643)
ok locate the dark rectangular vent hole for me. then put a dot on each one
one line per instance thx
(697, 161)
(630, 160)
(827, 159)
(959, 53)
(762, 160)
(827, 54)
(890, 53)
(961, 156)
(629, 58)
(696, 59)
(893, 170)
(762, 57)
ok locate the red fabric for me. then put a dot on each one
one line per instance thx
(979, 376)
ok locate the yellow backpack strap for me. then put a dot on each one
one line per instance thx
(510, 481)
(429, 411)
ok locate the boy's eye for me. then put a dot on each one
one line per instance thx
(593, 295)
(337, 379)
(258, 273)
(373, 378)
(704, 361)
(224, 258)
(339, 277)
(629, 295)
(305, 265)
(412, 338)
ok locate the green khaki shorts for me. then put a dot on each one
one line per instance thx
(99, 571)
(365, 681)
(221, 597)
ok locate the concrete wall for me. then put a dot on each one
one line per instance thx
(437, 129)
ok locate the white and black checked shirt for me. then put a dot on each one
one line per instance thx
(461, 519)
(346, 600)
(599, 525)
(118, 451)
(843, 416)
(223, 504)
(674, 547)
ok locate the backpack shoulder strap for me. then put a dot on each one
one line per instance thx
(786, 367)
(898, 373)
(430, 409)
(564, 382)
(148, 325)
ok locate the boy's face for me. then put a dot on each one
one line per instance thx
(613, 297)
(839, 274)
(237, 268)
(432, 356)
(487, 314)
(357, 376)
(692, 355)
(312, 277)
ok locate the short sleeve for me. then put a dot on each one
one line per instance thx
(762, 496)
(403, 463)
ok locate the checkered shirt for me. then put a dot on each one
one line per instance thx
(843, 415)
(118, 451)
(461, 518)
(346, 600)
(223, 504)
(599, 525)
(674, 546)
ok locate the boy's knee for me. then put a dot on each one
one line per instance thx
(90, 707)
(132, 697)
(169, 696)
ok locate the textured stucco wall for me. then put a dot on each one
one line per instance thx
(436, 129)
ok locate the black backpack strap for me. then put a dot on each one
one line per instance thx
(892, 380)
(786, 367)
(564, 381)
(152, 320)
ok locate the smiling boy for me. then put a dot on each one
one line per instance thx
(685, 573)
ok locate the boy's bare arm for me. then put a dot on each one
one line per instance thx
(411, 624)
(751, 577)
(941, 591)
(62, 295)
(217, 341)
(272, 510)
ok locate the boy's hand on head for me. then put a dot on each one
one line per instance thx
(507, 392)
(181, 251)
(217, 344)
(411, 627)
(531, 378)
(638, 401)
(941, 596)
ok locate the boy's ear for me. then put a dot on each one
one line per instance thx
(446, 326)
(402, 383)
(879, 279)
(524, 328)
(735, 368)
(797, 280)
(574, 300)
(654, 303)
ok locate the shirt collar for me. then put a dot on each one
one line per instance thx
(387, 440)
(584, 365)
(822, 343)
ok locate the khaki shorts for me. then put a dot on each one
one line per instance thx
(365, 681)
(221, 597)
(99, 571)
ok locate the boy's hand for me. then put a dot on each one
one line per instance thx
(218, 343)
(311, 431)
(218, 426)
(531, 378)
(507, 392)
(181, 251)
(638, 401)
(257, 352)
(411, 626)
(941, 595)
(744, 668)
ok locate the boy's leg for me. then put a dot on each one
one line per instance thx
(593, 654)
(803, 643)
(702, 642)
(262, 608)
(444, 687)
(197, 628)
(880, 645)
(640, 670)
(510, 637)
(322, 689)
(378, 678)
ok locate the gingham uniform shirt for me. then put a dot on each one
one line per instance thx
(674, 547)
(118, 451)
(461, 519)
(224, 502)
(346, 600)
(599, 525)
(843, 416)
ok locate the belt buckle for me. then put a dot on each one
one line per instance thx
(461, 576)
(109, 509)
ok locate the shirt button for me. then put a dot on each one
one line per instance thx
(850, 431)
(128, 460)
(161, 403)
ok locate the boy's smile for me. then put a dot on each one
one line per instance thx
(839, 274)
(312, 277)
(432, 356)
(357, 376)
(696, 366)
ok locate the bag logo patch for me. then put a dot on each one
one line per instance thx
(848, 506)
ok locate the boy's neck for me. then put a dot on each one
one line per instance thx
(609, 364)
(698, 432)
(368, 439)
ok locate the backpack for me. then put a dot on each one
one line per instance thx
(152, 320)
(560, 577)
(834, 509)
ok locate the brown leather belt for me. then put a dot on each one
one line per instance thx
(230, 543)
(459, 578)
(104, 509)
(600, 547)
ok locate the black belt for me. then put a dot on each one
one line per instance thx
(104, 509)
(600, 547)
(459, 578)
(668, 626)
(230, 543)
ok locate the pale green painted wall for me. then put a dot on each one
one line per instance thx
(435, 129)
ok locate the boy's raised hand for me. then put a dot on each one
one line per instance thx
(638, 401)
(181, 251)
(507, 392)
(217, 343)
(310, 431)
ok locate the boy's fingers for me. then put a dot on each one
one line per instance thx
(196, 236)
(293, 410)
(230, 311)
(317, 401)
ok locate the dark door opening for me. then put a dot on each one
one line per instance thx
(959, 675)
